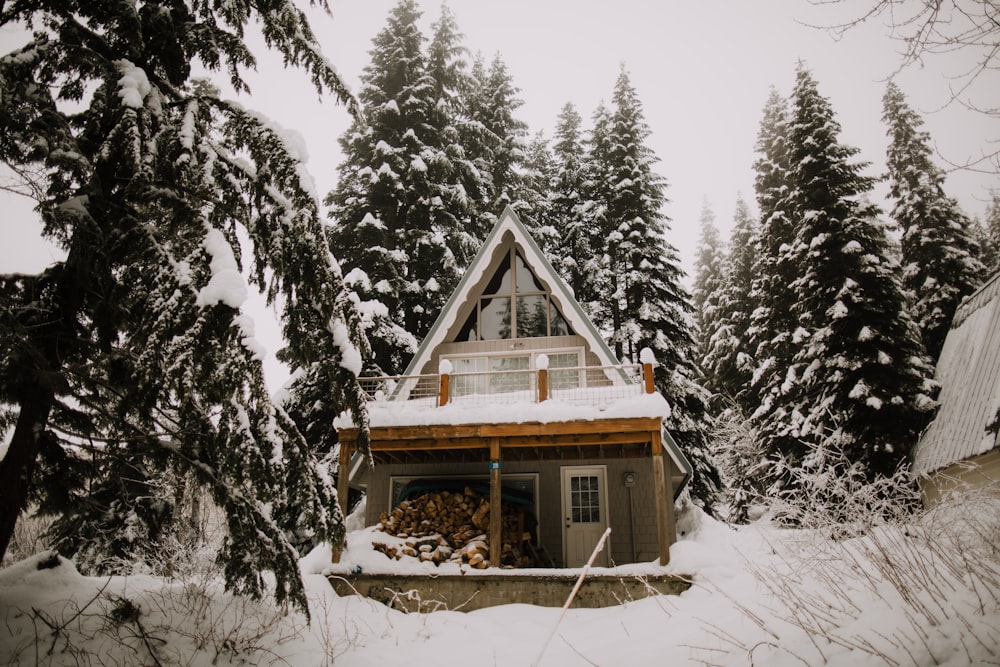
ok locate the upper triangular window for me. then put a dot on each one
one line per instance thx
(514, 304)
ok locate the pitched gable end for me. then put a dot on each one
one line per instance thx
(509, 262)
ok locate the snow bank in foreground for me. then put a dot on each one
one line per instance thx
(759, 596)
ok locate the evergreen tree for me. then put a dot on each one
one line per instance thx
(447, 67)
(536, 188)
(648, 306)
(728, 363)
(989, 235)
(772, 320)
(129, 364)
(940, 253)
(500, 138)
(566, 210)
(859, 382)
(399, 200)
(598, 189)
(708, 278)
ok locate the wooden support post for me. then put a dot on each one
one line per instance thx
(543, 384)
(343, 486)
(496, 518)
(443, 394)
(666, 529)
(647, 376)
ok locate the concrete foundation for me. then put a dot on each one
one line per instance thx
(468, 592)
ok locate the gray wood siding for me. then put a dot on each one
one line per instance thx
(632, 516)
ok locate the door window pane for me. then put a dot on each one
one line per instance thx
(585, 499)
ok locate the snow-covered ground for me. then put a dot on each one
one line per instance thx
(924, 594)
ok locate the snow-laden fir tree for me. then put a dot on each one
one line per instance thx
(772, 321)
(940, 260)
(129, 366)
(859, 381)
(710, 257)
(988, 234)
(574, 250)
(497, 140)
(400, 206)
(649, 308)
(536, 188)
(728, 364)
(598, 282)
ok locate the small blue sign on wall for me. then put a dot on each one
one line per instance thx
(495, 465)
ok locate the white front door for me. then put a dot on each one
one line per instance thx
(585, 514)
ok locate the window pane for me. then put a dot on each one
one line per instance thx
(506, 382)
(501, 282)
(564, 379)
(468, 331)
(526, 281)
(560, 327)
(495, 318)
(471, 384)
(532, 319)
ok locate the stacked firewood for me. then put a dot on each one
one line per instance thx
(454, 527)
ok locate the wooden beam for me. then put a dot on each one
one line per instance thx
(496, 518)
(666, 530)
(343, 486)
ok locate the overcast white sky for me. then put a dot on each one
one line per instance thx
(701, 69)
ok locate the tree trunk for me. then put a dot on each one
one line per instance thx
(18, 466)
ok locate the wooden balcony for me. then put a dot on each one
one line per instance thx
(584, 385)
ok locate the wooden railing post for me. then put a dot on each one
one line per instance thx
(444, 372)
(443, 393)
(648, 361)
(543, 384)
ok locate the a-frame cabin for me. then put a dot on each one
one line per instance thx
(514, 389)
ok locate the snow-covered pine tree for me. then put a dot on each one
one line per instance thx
(447, 66)
(649, 306)
(399, 197)
(708, 278)
(133, 354)
(940, 259)
(772, 321)
(574, 249)
(499, 138)
(535, 194)
(860, 380)
(989, 235)
(598, 186)
(728, 364)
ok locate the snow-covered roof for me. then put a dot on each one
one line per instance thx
(969, 374)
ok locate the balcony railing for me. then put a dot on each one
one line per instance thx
(581, 385)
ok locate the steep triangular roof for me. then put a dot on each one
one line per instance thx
(969, 374)
(562, 295)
